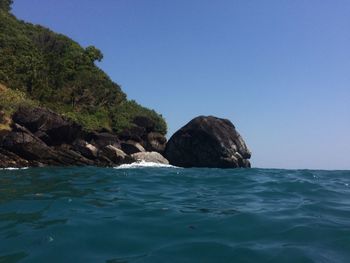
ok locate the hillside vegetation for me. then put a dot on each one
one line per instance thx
(54, 71)
(11, 100)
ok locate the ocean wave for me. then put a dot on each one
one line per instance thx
(143, 164)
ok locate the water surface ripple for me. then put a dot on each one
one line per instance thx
(174, 215)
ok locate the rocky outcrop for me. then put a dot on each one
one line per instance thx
(47, 125)
(9, 159)
(144, 132)
(131, 147)
(155, 142)
(116, 155)
(86, 149)
(40, 137)
(23, 143)
(102, 139)
(208, 142)
(153, 157)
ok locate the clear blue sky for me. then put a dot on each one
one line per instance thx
(278, 69)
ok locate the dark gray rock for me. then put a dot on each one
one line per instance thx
(53, 128)
(66, 155)
(155, 142)
(86, 149)
(208, 142)
(131, 147)
(24, 144)
(102, 139)
(9, 159)
(134, 133)
(117, 156)
(20, 148)
(41, 137)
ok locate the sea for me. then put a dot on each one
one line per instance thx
(149, 213)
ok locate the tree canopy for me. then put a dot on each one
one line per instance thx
(60, 74)
(6, 5)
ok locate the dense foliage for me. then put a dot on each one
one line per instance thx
(6, 5)
(60, 74)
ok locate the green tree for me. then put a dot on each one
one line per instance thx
(56, 72)
(94, 54)
(6, 5)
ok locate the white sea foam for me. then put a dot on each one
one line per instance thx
(14, 168)
(143, 164)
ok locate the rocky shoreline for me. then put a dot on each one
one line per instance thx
(40, 137)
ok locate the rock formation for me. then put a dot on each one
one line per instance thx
(50, 127)
(40, 137)
(208, 142)
(143, 132)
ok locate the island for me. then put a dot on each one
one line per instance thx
(58, 108)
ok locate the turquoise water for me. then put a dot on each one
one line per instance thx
(174, 215)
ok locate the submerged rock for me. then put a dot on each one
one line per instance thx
(208, 141)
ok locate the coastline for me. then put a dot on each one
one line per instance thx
(39, 137)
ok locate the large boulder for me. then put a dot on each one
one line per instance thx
(152, 157)
(208, 141)
(47, 125)
(24, 144)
